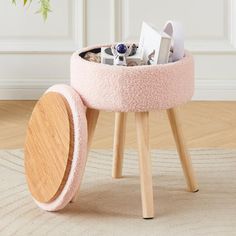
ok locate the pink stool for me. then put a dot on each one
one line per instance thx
(96, 87)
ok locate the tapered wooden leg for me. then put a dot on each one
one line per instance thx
(182, 150)
(92, 117)
(142, 126)
(119, 142)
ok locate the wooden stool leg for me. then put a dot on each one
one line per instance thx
(182, 150)
(119, 142)
(142, 126)
(92, 117)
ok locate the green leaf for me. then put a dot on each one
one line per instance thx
(44, 9)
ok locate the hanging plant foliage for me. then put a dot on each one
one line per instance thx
(44, 8)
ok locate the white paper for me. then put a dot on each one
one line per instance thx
(175, 30)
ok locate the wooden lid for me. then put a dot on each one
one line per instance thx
(49, 147)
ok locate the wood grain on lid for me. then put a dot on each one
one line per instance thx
(49, 147)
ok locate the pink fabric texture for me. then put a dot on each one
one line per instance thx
(136, 89)
(80, 149)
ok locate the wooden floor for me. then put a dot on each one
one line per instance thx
(205, 124)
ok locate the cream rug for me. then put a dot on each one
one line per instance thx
(113, 207)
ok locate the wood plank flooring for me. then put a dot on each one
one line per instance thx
(205, 124)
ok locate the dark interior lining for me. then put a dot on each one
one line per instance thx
(95, 50)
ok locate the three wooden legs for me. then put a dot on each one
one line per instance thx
(142, 126)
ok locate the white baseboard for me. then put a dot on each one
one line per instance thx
(24, 89)
(215, 90)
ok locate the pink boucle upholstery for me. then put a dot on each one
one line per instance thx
(136, 89)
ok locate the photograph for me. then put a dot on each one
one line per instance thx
(117, 118)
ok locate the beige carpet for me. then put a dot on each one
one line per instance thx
(113, 207)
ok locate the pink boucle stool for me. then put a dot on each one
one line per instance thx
(96, 87)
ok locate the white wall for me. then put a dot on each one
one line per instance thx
(35, 54)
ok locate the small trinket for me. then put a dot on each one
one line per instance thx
(93, 57)
(120, 52)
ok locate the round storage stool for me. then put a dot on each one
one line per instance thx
(62, 124)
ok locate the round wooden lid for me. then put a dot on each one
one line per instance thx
(49, 147)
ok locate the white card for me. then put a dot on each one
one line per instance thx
(150, 44)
